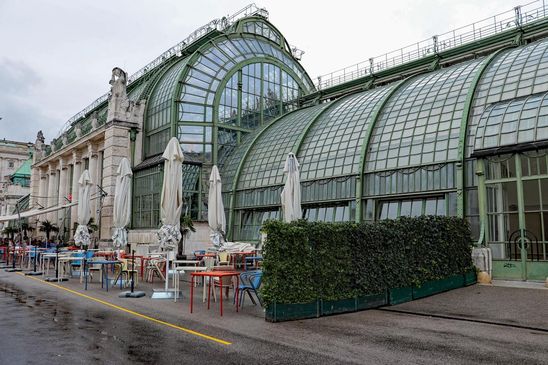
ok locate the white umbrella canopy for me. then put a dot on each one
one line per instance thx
(291, 193)
(215, 209)
(81, 236)
(122, 203)
(171, 200)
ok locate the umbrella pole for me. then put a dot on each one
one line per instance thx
(35, 273)
(85, 276)
(132, 269)
(132, 293)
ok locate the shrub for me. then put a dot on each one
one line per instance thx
(305, 261)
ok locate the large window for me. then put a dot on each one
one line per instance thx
(339, 213)
(147, 186)
(256, 94)
(441, 205)
(251, 222)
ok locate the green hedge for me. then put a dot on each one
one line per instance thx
(306, 261)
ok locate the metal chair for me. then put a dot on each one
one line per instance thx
(250, 282)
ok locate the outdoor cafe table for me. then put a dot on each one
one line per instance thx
(63, 261)
(108, 255)
(48, 256)
(235, 255)
(104, 269)
(181, 270)
(200, 256)
(211, 275)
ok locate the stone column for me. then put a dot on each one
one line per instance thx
(42, 192)
(43, 188)
(76, 172)
(51, 193)
(117, 146)
(94, 174)
(61, 199)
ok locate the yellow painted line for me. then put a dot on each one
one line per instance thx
(189, 331)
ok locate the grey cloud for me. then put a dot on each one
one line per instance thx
(19, 110)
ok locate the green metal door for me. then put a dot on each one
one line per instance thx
(516, 189)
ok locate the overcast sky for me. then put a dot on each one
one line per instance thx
(56, 57)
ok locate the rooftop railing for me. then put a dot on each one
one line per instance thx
(176, 50)
(512, 19)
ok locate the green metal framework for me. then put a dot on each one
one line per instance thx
(512, 74)
(410, 136)
(514, 122)
(186, 95)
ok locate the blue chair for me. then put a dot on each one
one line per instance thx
(76, 263)
(250, 282)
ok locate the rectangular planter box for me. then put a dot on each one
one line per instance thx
(470, 278)
(372, 301)
(288, 312)
(329, 307)
(400, 295)
(438, 286)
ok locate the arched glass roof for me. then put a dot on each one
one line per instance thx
(523, 120)
(161, 99)
(267, 155)
(213, 63)
(262, 28)
(512, 74)
(421, 122)
(332, 146)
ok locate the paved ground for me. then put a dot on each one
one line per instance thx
(43, 324)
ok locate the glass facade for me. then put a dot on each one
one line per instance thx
(399, 144)
(147, 187)
(513, 74)
(523, 120)
(263, 29)
(420, 124)
(256, 94)
(211, 99)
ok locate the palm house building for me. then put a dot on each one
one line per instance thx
(455, 125)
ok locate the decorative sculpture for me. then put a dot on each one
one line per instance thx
(94, 121)
(118, 102)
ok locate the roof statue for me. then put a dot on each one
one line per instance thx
(94, 120)
(118, 102)
(39, 146)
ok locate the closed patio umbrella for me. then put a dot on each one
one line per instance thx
(122, 203)
(171, 200)
(171, 205)
(291, 193)
(215, 209)
(81, 236)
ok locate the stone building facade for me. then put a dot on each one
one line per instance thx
(12, 156)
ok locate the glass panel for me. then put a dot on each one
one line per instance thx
(416, 208)
(405, 209)
(531, 196)
(430, 207)
(392, 210)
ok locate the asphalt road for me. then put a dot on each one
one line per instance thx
(40, 324)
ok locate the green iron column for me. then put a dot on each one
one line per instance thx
(365, 144)
(460, 172)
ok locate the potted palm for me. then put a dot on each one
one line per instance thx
(48, 227)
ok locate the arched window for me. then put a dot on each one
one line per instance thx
(257, 93)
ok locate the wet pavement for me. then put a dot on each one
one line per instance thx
(41, 324)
